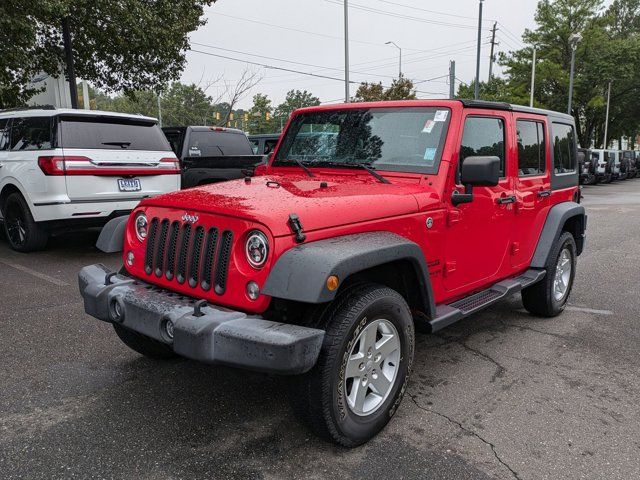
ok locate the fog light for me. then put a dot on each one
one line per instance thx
(168, 327)
(117, 310)
(253, 290)
(130, 258)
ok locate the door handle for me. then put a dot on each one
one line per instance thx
(506, 200)
(544, 193)
(1, 165)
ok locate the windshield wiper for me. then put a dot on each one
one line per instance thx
(372, 171)
(119, 144)
(302, 166)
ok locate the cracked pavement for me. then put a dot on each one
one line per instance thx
(500, 395)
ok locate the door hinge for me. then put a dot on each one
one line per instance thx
(515, 248)
(449, 268)
(453, 216)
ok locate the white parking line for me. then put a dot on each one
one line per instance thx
(39, 275)
(588, 310)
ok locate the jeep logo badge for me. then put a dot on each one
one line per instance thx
(189, 218)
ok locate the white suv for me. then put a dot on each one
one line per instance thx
(63, 169)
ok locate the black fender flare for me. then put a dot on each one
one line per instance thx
(111, 237)
(556, 219)
(300, 274)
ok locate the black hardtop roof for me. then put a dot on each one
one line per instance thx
(514, 108)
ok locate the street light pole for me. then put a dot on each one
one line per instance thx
(347, 95)
(400, 49)
(533, 77)
(477, 86)
(68, 53)
(606, 121)
(573, 41)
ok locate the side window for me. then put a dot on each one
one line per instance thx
(532, 158)
(564, 160)
(483, 136)
(31, 133)
(4, 134)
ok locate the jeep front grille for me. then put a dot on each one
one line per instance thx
(184, 253)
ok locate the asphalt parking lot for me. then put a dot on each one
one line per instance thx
(500, 395)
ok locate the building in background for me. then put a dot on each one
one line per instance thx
(55, 92)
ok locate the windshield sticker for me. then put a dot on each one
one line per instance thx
(441, 116)
(430, 155)
(428, 127)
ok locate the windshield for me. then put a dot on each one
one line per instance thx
(407, 139)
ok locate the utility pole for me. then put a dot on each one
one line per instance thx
(347, 95)
(606, 121)
(573, 41)
(493, 45)
(533, 77)
(85, 95)
(68, 53)
(159, 111)
(477, 86)
(452, 79)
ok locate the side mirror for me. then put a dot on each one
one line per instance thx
(477, 172)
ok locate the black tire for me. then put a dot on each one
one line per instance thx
(143, 345)
(22, 232)
(540, 299)
(321, 396)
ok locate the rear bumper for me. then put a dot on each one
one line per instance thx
(211, 335)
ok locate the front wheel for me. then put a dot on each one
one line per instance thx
(363, 368)
(548, 297)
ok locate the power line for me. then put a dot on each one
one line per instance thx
(399, 15)
(431, 11)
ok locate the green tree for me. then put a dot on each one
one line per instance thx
(125, 45)
(295, 99)
(401, 89)
(261, 115)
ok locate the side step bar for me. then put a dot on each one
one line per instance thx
(449, 314)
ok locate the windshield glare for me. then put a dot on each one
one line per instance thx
(406, 139)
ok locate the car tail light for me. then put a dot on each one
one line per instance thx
(77, 165)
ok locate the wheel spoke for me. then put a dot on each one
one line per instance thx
(353, 366)
(358, 395)
(369, 339)
(380, 384)
(386, 346)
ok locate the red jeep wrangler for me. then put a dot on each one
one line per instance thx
(370, 220)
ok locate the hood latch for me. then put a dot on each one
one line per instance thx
(296, 226)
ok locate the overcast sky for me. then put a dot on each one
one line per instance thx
(307, 36)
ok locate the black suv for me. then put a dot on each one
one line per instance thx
(211, 154)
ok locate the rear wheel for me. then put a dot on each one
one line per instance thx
(363, 368)
(23, 233)
(142, 344)
(548, 297)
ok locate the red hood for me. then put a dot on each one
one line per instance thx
(270, 199)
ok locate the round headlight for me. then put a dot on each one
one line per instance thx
(257, 249)
(142, 227)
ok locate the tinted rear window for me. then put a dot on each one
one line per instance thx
(31, 133)
(111, 134)
(212, 144)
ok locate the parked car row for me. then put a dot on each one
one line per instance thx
(63, 169)
(606, 166)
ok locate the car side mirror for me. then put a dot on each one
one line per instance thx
(476, 172)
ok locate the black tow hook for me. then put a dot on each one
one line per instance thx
(296, 226)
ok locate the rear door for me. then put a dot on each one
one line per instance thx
(532, 185)
(115, 158)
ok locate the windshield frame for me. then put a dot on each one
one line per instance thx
(295, 124)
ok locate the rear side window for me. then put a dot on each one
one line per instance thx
(564, 143)
(4, 134)
(532, 157)
(483, 137)
(269, 146)
(212, 144)
(31, 133)
(110, 133)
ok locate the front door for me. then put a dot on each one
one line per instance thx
(479, 236)
(532, 186)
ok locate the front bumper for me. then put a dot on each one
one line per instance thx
(208, 334)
